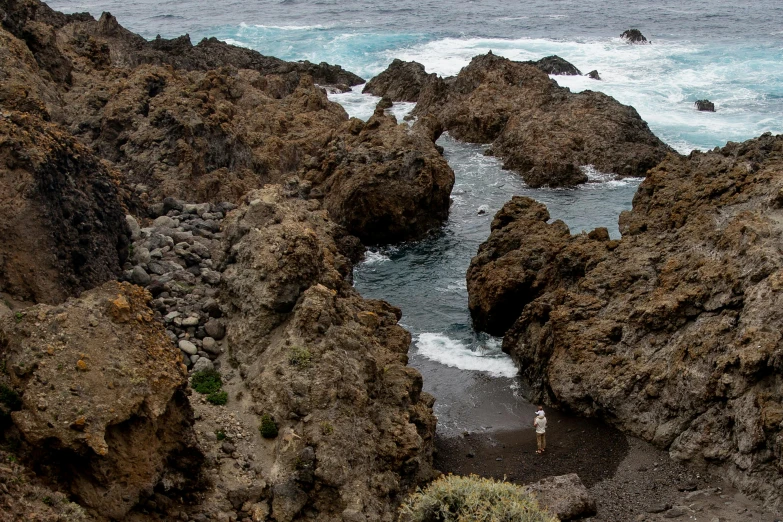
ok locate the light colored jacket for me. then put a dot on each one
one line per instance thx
(540, 424)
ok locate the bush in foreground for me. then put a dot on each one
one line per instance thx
(466, 499)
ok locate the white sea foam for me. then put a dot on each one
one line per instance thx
(456, 354)
(356, 104)
(373, 258)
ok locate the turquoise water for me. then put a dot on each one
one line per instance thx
(730, 54)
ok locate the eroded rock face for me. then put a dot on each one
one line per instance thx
(634, 36)
(103, 411)
(401, 81)
(672, 333)
(355, 429)
(384, 182)
(61, 219)
(538, 128)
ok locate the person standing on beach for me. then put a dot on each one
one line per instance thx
(540, 424)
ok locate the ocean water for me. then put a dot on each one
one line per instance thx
(728, 52)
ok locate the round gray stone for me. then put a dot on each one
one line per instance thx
(188, 347)
(139, 276)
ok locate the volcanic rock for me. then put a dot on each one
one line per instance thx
(556, 65)
(126, 426)
(673, 333)
(594, 75)
(564, 496)
(400, 82)
(61, 219)
(537, 127)
(634, 36)
(312, 350)
(705, 105)
(385, 183)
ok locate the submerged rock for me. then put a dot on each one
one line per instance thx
(634, 36)
(705, 105)
(594, 75)
(537, 128)
(401, 81)
(672, 333)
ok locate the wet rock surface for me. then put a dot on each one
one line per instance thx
(705, 105)
(669, 333)
(634, 36)
(537, 128)
(104, 419)
(556, 65)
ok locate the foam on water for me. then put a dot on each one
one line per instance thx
(456, 354)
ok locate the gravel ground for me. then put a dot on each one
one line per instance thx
(629, 479)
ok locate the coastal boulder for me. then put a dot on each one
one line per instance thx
(556, 65)
(125, 429)
(672, 333)
(400, 82)
(564, 496)
(537, 128)
(705, 105)
(61, 217)
(355, 429)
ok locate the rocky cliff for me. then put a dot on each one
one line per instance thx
(61, 215)
(545, 132)
(672, 333)
(96, 396)
(212, 121)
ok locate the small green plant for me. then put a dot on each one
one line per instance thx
(220, 434)
(218, 398)
(268, 427)
(472, 498)
(12, 458)
(9, 398)
(327, 428)
(299, 356)
(48, 501)
(206, 381)
(19, 316)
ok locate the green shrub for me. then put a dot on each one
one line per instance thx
(220, 434)
(327, 428)
(19, 316)
(218, 398)
(268, 427)
(299, 357)
(206, 381)
(462, 499)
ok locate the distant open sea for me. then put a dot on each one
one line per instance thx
(728, 52)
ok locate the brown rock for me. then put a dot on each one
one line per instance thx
(536, 127)
(401, 81)
(61, 219)
(672, 333)
(126, 425)
(314, 350)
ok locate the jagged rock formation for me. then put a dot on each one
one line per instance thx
(673, 333)
(212, 121)
(327, 365)
(634, 36)
(705, 105)
(594, 75)
(401, 81)
(61, 219)
(383, 182)
(102, 409)
(538, 128)
(556, 65)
